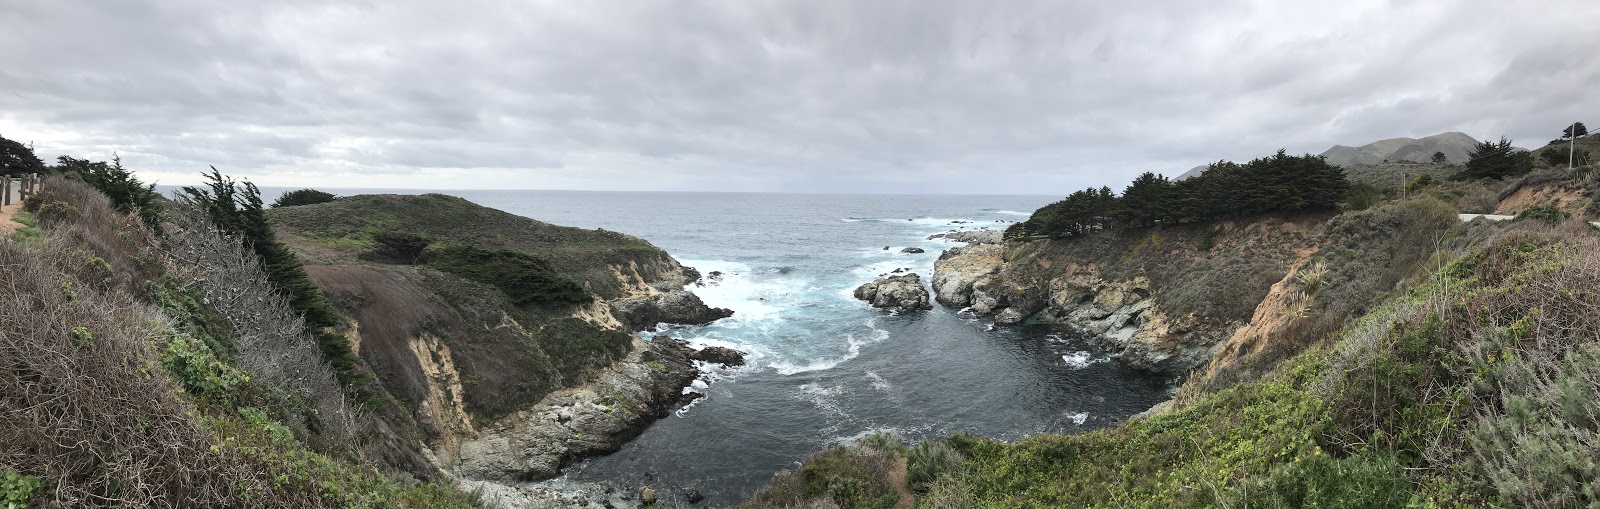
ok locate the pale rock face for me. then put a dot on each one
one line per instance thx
(904, 291)
(958, 269)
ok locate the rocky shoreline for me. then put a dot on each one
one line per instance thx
(1123, 318)
(534, 444)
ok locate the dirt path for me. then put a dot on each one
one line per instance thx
(897, 478)
(6, 212)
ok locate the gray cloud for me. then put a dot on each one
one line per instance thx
(842, 95)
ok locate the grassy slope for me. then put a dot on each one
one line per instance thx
(1473, 387)
(504, 365)
(343, 229)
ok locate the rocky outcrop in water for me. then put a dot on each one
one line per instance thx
(904, 291)
(599, 417)
(674, 307)
(727, 357)
(970, 236)
(911, 250)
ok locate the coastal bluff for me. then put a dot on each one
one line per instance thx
(507, 340)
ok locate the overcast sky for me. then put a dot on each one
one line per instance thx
(750, 95)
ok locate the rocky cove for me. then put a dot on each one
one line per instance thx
(606, 426)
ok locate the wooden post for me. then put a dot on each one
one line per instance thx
(5, 191)
(22, 191)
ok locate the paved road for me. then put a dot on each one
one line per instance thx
(1495, 217)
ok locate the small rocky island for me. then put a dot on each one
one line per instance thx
(904, 291)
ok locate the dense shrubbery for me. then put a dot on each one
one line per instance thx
(1276, 183)
(302, 197)
(403, 247)
(1494, 160)
(856, 477)
(524, 278)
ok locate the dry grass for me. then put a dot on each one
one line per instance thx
(84, 403)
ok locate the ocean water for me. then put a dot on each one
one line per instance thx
(823, 368)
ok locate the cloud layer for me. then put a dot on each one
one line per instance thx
(830, 96)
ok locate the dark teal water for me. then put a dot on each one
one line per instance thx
(824, 368)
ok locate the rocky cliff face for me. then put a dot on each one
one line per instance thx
(534, 443)
(1118, 288)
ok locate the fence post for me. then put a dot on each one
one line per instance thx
(5, 193)
(22, 190)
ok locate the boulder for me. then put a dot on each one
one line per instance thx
(676, 307)
(719, 355)
(904, 291)
(647, 495)
(911, 250)
(693, 496)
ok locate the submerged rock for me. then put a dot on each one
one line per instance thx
(675, 307)
(904, 291)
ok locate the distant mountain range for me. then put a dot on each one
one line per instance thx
(1454, 145)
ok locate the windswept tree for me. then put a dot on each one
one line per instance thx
(1495, 160)
(126, 192)
(18, 159)
(236, 209)
(1439, 158)
(302, 197)
(1269, 184)
(1577, 129)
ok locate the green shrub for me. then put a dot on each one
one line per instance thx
(201, 373)
(1543, 448)
(398, 246)
(16, 490)
(851, 477)
(884, 441)
(53, 212)
(1549, 215)
(525, 279)
(1318, 480)
(302, 197)
(929, 460)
